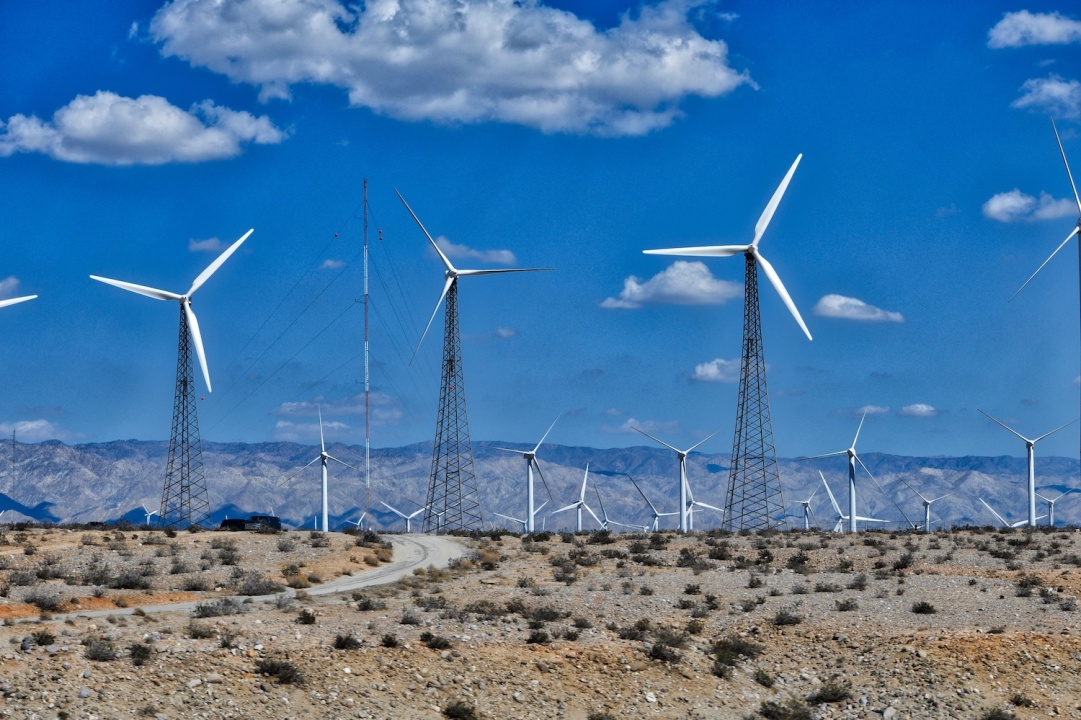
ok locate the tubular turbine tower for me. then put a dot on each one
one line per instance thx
(753, 500)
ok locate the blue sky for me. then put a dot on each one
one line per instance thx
(139, 139)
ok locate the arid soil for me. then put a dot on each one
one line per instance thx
(967, 624)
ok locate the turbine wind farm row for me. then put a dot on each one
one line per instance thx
(753, 497)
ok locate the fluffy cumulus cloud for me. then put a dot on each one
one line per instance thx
(209, 245)
(1052, 94)
(719, 370)
(9, 286)
(1014, 206)
(1017, 29)
(108, 129)
(505, 333)
(385, 410)
(331, 264)
(288, 431)
(681, 283)
(918, 410)
(653, 427)
(866, 410)
(455, 251)
(513, 61)
(846, 308)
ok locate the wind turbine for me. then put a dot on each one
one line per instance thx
(1004, 521)
(684, 488)
(531, 464)
(606, 521)
(808, 514)
(151, 513)
(754, 480)
(657, 515)
(841, 517)
(523, 523)
(1051, 504)
(692, 504)
(1030, 450)
(581, 503)
(15, 301)
(926, 505)
(408, 518)
(322, 459)
(360, 519)
(452, 481)
(852, 460)
(184, 498)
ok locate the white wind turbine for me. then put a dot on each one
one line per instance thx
(323, 459)
(808, 514)
(531, 464)
(926, 505)
(523, 523)
(579, 504)
(408, 518)
(1051, 504)
(841, 517)
(185, 299)
(452, 273)
(657, 515)
(685, 522)
(692, 504)
(852, 460)
(16, 301)
(149, 514)
(752, 248)
(360, 519)
(1004, 521)
(1030, 446)
(606, 521)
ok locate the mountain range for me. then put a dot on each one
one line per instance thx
(55, 482)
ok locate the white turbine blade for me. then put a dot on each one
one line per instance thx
(1065, 494)
(839, 526)
(830, 493)
(708, 506)
(312, 463)
(446, 288)
(940, 497)
(1076, 198)
(545, 436)
(819, 457)
(813, 492)
(540, 507)
(775, 280)
(692, 447)
(662, 442)
(572, 506)
(999, 422)
(1063, 244)
(397, 512)
(867, 519)
(444, 258)
(340, 462)
(520, 452)
(917, 491)
(16, 301)
(213, 267)
(860, 427)
(508, 517)
(997, 516)
(536, 466)
(322, 445)
(197, 340)
(585, 479)
(702, 251)
(418, 512)
(141, 289)
(468, 273)
(1053, 431)
(590, 511)
(1022, 523)
(651, 506)
(771, 206)
(1047, 499)
(811, 512)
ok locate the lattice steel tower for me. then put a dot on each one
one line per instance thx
(753, 500)
(453, 497)
(184, 501)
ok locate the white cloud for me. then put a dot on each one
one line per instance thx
(846, 308)
(513, 61)
(329, 264)
(918, 410)
(385, 409)
(505, 332)
(209, 245)
(1014, 206)
(9, 286)
(868, 410)
(719, 370)
(1017, 29)
(681, 283)
(286, 431)
(1052, 94)
(108, 129)
(32, 431)
(464, 252)
(653, 427)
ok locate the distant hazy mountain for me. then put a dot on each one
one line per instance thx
(52, 481)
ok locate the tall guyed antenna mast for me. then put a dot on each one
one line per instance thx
(367, 376)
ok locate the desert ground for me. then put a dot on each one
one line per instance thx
(120, 623)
